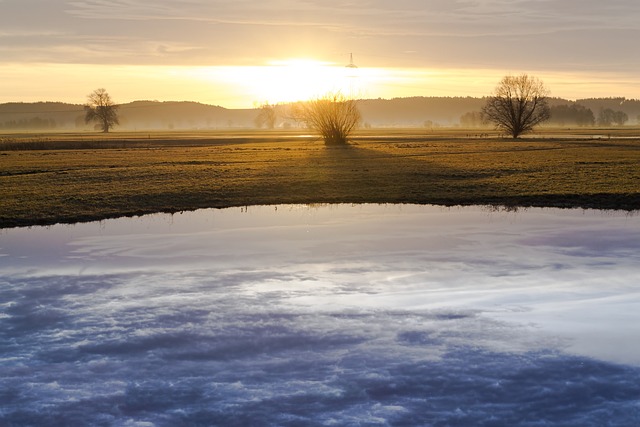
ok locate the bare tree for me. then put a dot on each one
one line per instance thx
(567, 114)
(518, 104)
(100, 108)
(606, 117)
(472, 119)
(334, 116)
(267, 116)
(620, 118)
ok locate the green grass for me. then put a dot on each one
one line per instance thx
(47, 179)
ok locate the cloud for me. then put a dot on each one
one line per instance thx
(126, 9)
(481, 34)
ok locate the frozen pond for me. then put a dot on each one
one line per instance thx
(331, 315)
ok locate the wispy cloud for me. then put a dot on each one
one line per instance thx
(377, 17)
(505, 31)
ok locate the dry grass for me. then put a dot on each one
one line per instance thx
(76, 178)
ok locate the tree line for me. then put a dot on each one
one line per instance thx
(518, 104)
(562, 115)
(32, 123)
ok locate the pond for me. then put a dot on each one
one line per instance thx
(324, 315)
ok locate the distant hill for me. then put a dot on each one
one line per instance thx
(417, 111)
(138, 115)
(147, 115)
(39, 116)
(398, 112)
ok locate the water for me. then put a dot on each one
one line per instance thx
(326, 315)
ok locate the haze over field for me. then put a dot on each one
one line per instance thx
(239, 53)
(416, 112)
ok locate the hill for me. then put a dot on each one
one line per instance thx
(150, 115)
(138, 115)
(398, 112)
(417, 111)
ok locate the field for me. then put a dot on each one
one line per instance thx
(66, 178)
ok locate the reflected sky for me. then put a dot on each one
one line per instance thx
(325, 315)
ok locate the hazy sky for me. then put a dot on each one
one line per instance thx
(190, 49)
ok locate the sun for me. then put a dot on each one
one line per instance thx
(291, 80)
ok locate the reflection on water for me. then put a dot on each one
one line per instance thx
(396, 314)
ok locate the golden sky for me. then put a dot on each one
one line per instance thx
(241, 53)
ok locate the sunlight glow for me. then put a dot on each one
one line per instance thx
(294, 80)
(281, 81)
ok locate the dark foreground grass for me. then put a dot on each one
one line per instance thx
(72, 178)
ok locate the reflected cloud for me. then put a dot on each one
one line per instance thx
(593, 242)
(339, 314)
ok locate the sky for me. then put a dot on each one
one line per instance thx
(241, 53)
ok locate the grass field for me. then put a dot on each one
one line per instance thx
(53, 178)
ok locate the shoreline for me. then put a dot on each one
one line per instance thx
(40, 187)
(604, 205)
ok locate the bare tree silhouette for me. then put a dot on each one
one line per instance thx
(518, 104)
(606, 117)
(100, 108)
(267, 116)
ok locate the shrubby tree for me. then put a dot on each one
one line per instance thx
(518, 104)
(101, 109)
(334, 116)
